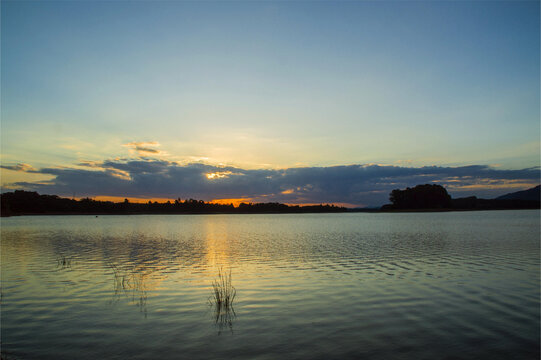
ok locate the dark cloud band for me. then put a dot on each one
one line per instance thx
(353, 184)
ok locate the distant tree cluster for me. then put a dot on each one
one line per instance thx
(22, 202)
(421, 197)
(434, 197)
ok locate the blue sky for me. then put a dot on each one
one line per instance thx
(270, 85)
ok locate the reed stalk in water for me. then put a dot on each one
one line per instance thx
(223, 291)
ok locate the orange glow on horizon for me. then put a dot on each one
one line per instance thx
(342, 204)
(235, 202)
(130, 199)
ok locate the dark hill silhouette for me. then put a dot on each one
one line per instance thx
(533, 194)
(434, 197)
(31, 203)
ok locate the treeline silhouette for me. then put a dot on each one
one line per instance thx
(434, 197)
(22, 202)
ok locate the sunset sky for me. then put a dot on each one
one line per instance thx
(297, 102)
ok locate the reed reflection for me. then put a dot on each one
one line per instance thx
(132, 283)
(63, 262)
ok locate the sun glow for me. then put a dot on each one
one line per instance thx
(218, 175)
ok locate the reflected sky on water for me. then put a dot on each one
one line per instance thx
(419, 285)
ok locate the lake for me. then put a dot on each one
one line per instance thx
(460, 285)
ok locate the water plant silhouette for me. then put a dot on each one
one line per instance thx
(63, 262)
(223, 295)
(223, 291)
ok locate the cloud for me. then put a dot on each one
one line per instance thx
(363, 185)
(19, 167)
(144, 148)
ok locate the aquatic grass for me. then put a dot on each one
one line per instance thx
(223, 295)
(63, 262)
(223, 291)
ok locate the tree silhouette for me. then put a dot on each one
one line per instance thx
(428, 196)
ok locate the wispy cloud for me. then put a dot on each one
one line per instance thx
(19, 167)
(145, 149)
(353, 184)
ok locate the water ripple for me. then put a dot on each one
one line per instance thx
(379, 286)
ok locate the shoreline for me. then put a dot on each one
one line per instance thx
(379, 211)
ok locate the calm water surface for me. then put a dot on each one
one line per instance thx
(461, 285)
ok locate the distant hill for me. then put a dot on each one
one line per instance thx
(532, 194)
